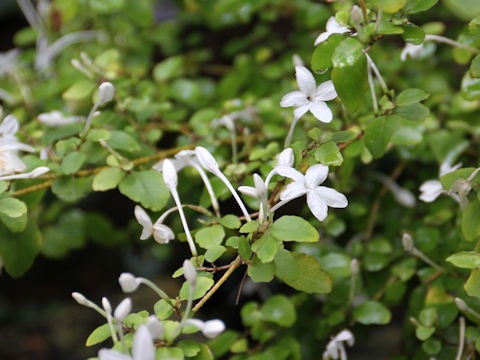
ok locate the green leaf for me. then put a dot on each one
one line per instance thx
(348, 53)
(411, 96)
(465, 259)
(424, 332)
(120, 140)
(223, 342)
(99, 335)
(343, 136)
(214, 252)
(415, 6)
(322, 56)
(427, 316)
(475, 67)
(147, 188)
(105, 6)
(266, 248)
(230, 221)
(14, 224)
(107, 179)
(244, 248)
(72, 162)
(449, 179)
(432, 346)
(12, 207)
(204, 354)
(279, 310)
(329, 154)
(471, 221)
(350, 80)
(169, 353)
(416, 112)
(163, 309)
(18, 250)
(261, 272)
(210, 236)
(203, 285)
(249, 227)
(168, 69)
(189, 347)
(413, 34)
(470, 87)
(79, 91)
(372, 312)
(378, 133)
(389, 6)
(294, 228)
(336, 264)
(286, 266)
(70, 189)
(310, 277)
(472, 286)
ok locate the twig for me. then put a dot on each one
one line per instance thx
(233, 266)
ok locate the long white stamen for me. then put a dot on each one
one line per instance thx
(445, 40)
(208, 186)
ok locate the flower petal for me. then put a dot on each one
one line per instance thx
(105, 354)
(293, 191)
(162, 234)
(143, 348)
(286, 158)
(321, 111)
(249, 191)
(287, 171)
(144, 220)
(300, 111)
(294, 98)
(317, 205)
(430, 189)
(345, 335)
(332, 197)
(333, 27)
(9, 125)
(315, 175)
(213, 328)
(305, 80)
(321, 38)
(326, 91)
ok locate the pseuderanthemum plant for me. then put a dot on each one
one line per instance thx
(183, 113)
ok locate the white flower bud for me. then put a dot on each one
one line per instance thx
(9, 125)
(286, 158)
(189, 272)
(155, 327)
(356, 14)
(462, 306)
(105, 93)
(206, 160)
(80, 298)
(297, 60)
(106, 305)
(162, 234)
(354, 267)
(407, 242)
(38, 171)
(213, 328)
(128, 282)
(169, 175)
(123, 309)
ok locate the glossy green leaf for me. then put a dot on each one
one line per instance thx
(230, 221)
(261, 272)
(378, 133)
(266, 248)
(203, 285)
(69, 188)
(424, 332)
(413, 34)
(294, 228)
(107, 179)
(280, 310)
(169, 353)
(147, 188)
(372, 312)
(18, 250)
(163, 309)
(329, 154)
(322, 56)
(189, 347)
(471, 221)
(120, 140)
(348, 53)
(472, 286)
(79, 91)
(475, 67)
(214, 252)
(465, 259)
(73, 162)
(415, 6)
(286, 266)
(12, 207)
(411, 96)
(210, 236)
(99, 335)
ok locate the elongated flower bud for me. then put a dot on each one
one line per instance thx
(106, 305)
(462, 306)
(189, 272)
(128, 282)
(206, 159)
(407, 242)
(155, 327)
(123, 309)
(80, 298)
(169, 175)
(213, 328)
(286, 158)
(105, 93)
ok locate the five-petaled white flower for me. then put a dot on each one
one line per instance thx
(310, 97)
(142, 349)
(431, 189)
(161, 233)
(333, 27)
(335, 347)
(319, 198)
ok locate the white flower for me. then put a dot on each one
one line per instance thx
(335, 347)
(8, 62)
(207, 161)
(169, 173)
(414, 51)
(297, 60)
(333, 27)
(123, 309)
(210, 329)
(161, 233)
(105, 92)
(56, 118)
(286, 158)
(431, 189)
(128, 282)
(259, 192)
(318, 197)
(310, 97)
(143, 348)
